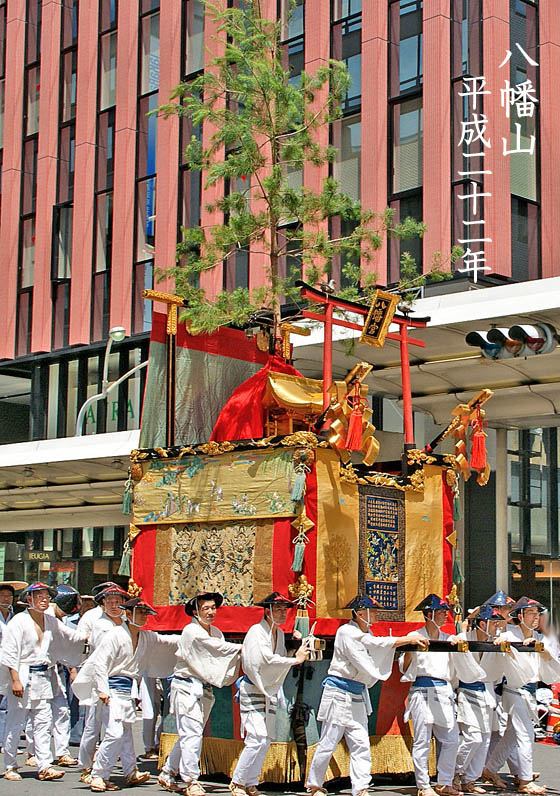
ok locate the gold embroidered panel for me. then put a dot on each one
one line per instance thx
(234, 486)
(232, 558)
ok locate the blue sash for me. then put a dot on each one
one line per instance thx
(42, 667)
(344, 684)
(479, 686)
(120, 683)
(428, 682)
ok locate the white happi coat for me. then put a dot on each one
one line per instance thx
(90, 617)
(265, 666)
(4, 622)
(439, 702)
(154, 656)
(99, 628)
(21, 649)
(521, 668)
(206, 659)
(357, 656)
(479, 709)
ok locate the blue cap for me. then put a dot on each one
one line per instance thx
(488, 611)
(433, 603)
(526, 602)
(361, 602)
(500, 598)
(38, 586)
(68, 599)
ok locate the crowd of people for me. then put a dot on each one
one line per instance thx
(479, 706)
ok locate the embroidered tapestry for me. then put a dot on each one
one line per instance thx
(382, 538)
(232, 558)
(243, 484)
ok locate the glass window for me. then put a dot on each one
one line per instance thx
(87, 543)
(406, 46)
(69, 70)
(108, 14)
(66, 156)
(33, 32)
(103, 231)
(72, 402)
(112, 405)
(146, 219)
(105, 150)
(466, 32)
(347, 138)
(63, 242)
(346, 8)
(52, 413)
(406, 207)
(28, 254)
(149, 59)
(108, 66)
(194, 22)
(69, 24)
(292, 24)
(143, 280)
(524, 240)
(346, 46)
(33, 77)
(147, 136)
(93, 387)
(407, 145)
(67, 548)
(108, 542)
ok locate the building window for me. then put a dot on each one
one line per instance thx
(346, 46)
(345, 8)
(193, 36)
(347, 138)
(406, 46)
(407, 129)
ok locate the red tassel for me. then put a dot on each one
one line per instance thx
(353, 440)
(478, 449)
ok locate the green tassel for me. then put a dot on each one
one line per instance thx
(128, 495)
(298, 557)
(456, 508)
(124, 568)
(298, 489)
(302, 624)
(457, 570)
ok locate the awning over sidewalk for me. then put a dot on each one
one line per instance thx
(64, 483)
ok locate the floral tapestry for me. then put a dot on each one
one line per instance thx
(234, 486)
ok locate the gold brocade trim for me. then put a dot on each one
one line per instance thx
(133, 531)
(216, 448)
(304, 439)
(390, 754)
(134, 589)
(416, 456)
(450, 459)
(415, 482)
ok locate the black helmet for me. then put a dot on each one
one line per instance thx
(68, 599)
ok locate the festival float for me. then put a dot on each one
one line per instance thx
(253, 479)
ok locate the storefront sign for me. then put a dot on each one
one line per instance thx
(41, 555)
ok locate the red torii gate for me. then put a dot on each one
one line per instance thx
(330, 304)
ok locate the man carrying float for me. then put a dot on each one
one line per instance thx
(204, 659)
(266, 665)
(477, 703)
(125, 653)
(522, 674)
(431, 702)
(359, 661)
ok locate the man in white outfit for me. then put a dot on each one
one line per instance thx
(125, 653)
(204, 659)
(477, 703)
(359, 661)
(265, 663)
(431, 701)
(522, 672)
(34, 642)
(66, 603)
(110, 600)
(8, 590)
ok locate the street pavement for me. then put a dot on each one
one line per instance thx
(546, 759)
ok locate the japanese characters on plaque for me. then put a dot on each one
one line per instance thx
(382, 534)
(379, 318)
(475, 141)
